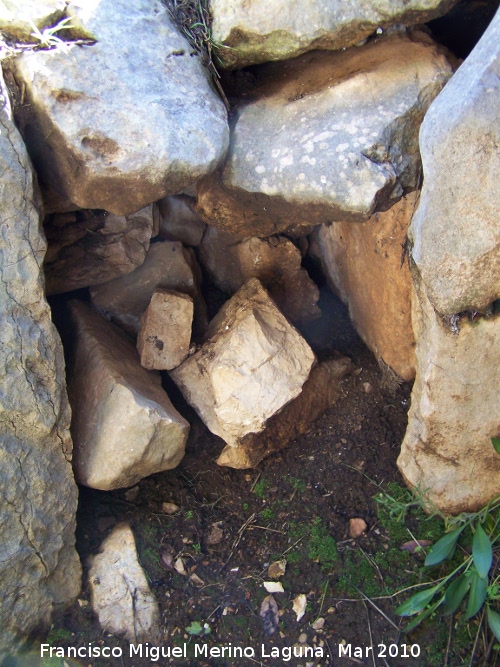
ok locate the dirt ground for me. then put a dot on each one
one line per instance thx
(296, 506)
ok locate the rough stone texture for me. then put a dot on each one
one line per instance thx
(39, 567)
(276, 262)
(124, 427)
(327, 136)
(16, 17)
(259, 31)
(120, 593)
(363, 265)
(454, 411)
(252, 363)
(87, 249)
(456, 230)
(165, 333)
(141, 123)
(319, 392)
(167, 265)
(179, 222)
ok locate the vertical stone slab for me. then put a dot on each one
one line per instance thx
(39, 567)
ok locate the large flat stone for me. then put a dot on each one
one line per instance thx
(257, 31)
(454, 411)
(39, 566)
(139, 124)
(456, 229)
(252, 363)
(124, 426)
(326, 136)
(364, 264)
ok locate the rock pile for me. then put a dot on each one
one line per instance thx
(152, 191)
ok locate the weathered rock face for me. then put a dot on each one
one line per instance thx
(87, 249)
(328, 136)
(252, 364)
(456, 230)
(120, 593)
(258, 31)
(17, 16)
(276, 262)
(141, 123)
(39, 567)
(179, 222)
(319, 392)
(124, 427)
(165, 333)
(363, 264)
(454, 411)
(167, 265)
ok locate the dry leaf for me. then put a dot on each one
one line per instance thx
(299, 606)
(269, 614)
(414, 546)
(179, 566)
(273, 587)
(196, 580)
(277, 569)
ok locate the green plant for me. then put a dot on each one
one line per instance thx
(477, 576)
(189, 514)
(297, 484)
(260, 488)
(245, 507)
(322, 546)
(267, 514)
(196, 548)
(47, 38)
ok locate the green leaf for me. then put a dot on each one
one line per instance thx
(477, 595)
(417, 602)
(493, 622)
(421, 617)
(443, 547)
(496, 444)
(195, 628)
(455, 593)
(482, 552)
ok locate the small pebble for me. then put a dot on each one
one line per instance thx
(357, 527)
(169, 508)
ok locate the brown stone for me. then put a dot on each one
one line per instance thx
(363, 263)
(320, 391)
(165, 333)
(179, 221)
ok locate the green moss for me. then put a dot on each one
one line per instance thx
(260, 488)
(322, 547)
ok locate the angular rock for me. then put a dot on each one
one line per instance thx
(456, 229)
(257, 31)
(447, 451)
(39, 566)
(120, 593)
(327, 136)
(179, 221)
(276, 262)
(319, 393)
(362, 263)
(165, 333)
(167, 265)
(17, 16)
(88, 249)
(124, 427)
(141, 123)
(251, 365)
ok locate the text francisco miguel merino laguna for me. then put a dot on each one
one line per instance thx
(155, 653)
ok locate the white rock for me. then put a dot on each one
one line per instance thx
(252, 363)
(120, 594)
(17, 17)
(141, 122)
(124, 426)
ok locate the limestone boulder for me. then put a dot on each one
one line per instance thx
(364, 264)
(447, 450)
(456, 229)
(319, 393)
(120, 593)
(276, 262)
(39, 566)
(326, 136)
(17, 17)
(140, 124)
(252, 363)
(179, 221)
(257, 31)
(167, 265)
(86, 248)
(165, 333)
(124, 426)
